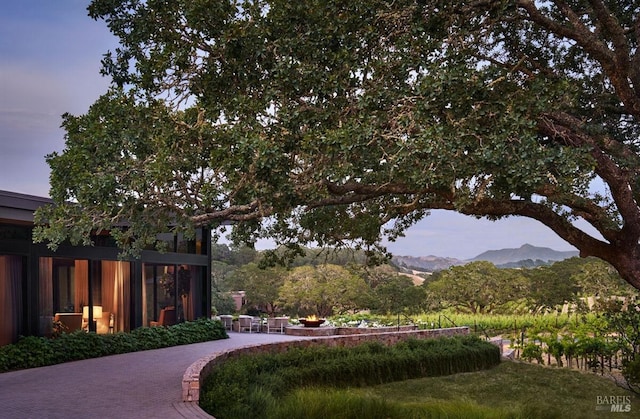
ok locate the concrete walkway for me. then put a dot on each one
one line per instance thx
(139, 385)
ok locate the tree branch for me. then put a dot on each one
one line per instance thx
(616, 64)
(567, 128)
(589, 246)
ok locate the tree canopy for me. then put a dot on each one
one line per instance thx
(261, 285)
(323, 290)
(478, 287)
(331, 121)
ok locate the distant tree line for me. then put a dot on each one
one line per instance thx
(481, 287)
(339, 281)
(320, 281)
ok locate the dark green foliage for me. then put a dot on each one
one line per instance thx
(625, 322)
(222, 303)
(27, 353)
(478, 287)
(532, 351)
(631, 373)
(32, 351)
(246, 386)
(556, 349)
(322, 403)
(333, 122)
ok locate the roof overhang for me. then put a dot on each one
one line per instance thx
(17, 207)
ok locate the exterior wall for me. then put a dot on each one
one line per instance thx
(32, 307)
(199, 370)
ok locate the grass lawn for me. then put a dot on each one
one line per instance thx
(512, 389)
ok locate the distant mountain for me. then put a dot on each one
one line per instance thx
(524, 256)
(525, 252)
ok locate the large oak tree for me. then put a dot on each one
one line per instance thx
(319, 120)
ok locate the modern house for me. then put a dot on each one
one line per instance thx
(43, 290)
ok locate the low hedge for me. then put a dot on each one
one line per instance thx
(34, 351)
(248, 385)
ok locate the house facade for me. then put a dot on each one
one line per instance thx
(90, 287)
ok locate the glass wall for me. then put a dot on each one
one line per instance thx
(115, 295)
(178, 243)
(171, 294)
(69, 287)
(12, 279)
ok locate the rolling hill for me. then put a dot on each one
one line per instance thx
(526, 255)
(525, 252)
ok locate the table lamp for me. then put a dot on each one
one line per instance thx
(96, 314)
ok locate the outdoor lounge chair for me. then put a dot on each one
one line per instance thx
(248, 323)
(277, 324)
(227, 321)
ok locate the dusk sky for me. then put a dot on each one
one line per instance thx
(50, 54)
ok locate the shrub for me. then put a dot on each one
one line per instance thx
(33, 351)
(242, 386)
(532, 351)
(631, 373)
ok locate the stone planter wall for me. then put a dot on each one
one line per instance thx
(331, 331)
(369, 330)
(196, 373)
(310, 331)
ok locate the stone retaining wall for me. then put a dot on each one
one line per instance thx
(331, 330)
(196, 373)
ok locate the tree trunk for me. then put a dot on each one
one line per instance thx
(628, 266)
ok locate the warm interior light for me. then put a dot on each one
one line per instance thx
(97, 312)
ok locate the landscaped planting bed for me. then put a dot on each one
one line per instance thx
(250, 386)
(33, 351)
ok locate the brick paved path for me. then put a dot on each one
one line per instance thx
(139, 385)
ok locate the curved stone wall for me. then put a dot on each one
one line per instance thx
(330, 330)
(196, 373)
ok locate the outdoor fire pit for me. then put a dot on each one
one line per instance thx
(311, 321)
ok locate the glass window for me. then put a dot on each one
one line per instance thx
(64, 295)
(114, 297)
(178, 243)
(172, 293)
(63, 292)
(158, 294)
